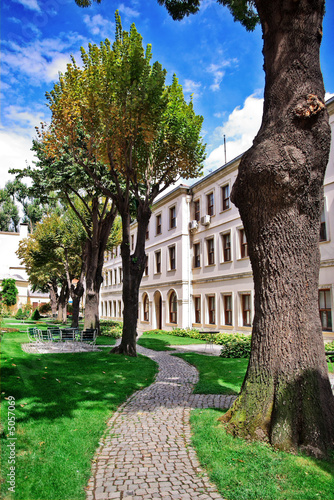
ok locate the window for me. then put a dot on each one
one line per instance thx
(197, 307)
(246, 309)
(119, 308)
(146, 266)
(120, 275)
(172, 217)
(226, 197)
(243, 244)
(197, 255)
(158, 262)
(323, 231)
(211, 251)
(115, 309)
(227, 247)
(197, 210)
(210, 203)
(173, 308)
(146, 308)
(227, 309)
(325, 309)
(106, 279)
(171, 251)
(158, 220)
(212, 309)
(147, 234)
(132, 242)
(115, 278)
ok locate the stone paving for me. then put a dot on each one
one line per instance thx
(146, 453)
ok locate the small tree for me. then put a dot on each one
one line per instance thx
(9, 292)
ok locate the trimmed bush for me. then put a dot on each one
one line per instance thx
(111, 328)
(235, 345)
(35, 315)
(329, 346)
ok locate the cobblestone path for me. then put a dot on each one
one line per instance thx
(146, 452)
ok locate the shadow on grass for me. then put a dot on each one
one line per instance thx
(155, 344)
(49, 386)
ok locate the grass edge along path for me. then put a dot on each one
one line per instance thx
(62, 405)
(243, 470)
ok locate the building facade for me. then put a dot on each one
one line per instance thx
(198, 272)
(11, 267)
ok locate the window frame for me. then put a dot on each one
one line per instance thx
(226, 250)
(228, 312)
(195, 256)
(244, 311)
(226, 200)
(197, 210)
(146, 308)
(173, 304)
(210, 251)
(210, 204)
(244, 253)
(326, 310)
(198, 310)
(172, 217)
(211, 311)
(158, 226)
(171, 258)
(157, 262)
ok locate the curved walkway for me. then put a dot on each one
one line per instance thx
(146, 453)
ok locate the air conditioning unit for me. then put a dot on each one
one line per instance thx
(193, 225)
(205, 220)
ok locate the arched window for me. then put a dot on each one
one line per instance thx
(146, 308)
(173, 308)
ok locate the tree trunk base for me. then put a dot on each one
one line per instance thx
(127, 349)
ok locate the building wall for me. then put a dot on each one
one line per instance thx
(216, 292)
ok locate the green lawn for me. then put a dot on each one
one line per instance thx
(217, 375)
(162, 342)
(254, 471)
(62, 404)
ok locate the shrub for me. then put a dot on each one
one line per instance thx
(35, 315)
(235, 345)
(329, 346)
(45, 308)
(9, 292)
(111, 328)
(20, 314)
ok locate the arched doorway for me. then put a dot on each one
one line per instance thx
(158, 310)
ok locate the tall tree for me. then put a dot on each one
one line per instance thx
(9, 292)
(142, 130)
(286, 396)
(58, 170)
(9, 212)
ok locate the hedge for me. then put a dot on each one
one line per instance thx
(235, 345)
(111, 328)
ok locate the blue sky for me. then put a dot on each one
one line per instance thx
(214, 58)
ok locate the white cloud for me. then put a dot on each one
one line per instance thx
(23, 120)
(127, 11)
(40, 60)
(218, 73)
(191, 87)
(15, 152)
(30, 4)
(240, 129)
(98, 25)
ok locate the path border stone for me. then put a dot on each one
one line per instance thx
(146, 452)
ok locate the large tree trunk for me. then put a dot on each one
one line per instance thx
(133, 269)
(76, 294)
(286, 397)
(95, 248)
(54, 298)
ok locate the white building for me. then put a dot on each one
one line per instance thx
(198, 272)
(11, 267)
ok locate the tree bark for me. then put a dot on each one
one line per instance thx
(54, 298)
(133, 269)
(95, 248)
(286, 397)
